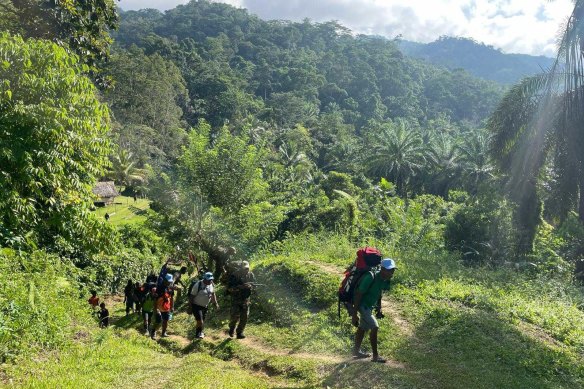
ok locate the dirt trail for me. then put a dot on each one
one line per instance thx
(216, 336)
(391, 310)
(329, 268)
(257, 345)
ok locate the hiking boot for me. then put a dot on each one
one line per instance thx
(240, 336)
(201, 335)
(164, 335)
(378, 359)
(231, 332)
(146, 332)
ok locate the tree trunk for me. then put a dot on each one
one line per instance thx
(527, 217)
(581, 197)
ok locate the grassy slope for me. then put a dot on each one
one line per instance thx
(446, 327)
(121, 357)
(125, 211)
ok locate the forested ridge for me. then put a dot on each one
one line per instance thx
(477, 58)
(294, 143)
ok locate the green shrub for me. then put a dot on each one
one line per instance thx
(481, 230)
(39, 303)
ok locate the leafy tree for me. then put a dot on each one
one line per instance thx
(149, 92)
(53, 146)
(226, 172)
(82, 26)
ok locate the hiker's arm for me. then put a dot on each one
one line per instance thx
(214, 300)
(356, 304)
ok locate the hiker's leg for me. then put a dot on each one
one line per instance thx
(359, 335)
(154, 326)
(164, 326)
(243, 315)
(373, 339)
(234, 316)
(366, 322)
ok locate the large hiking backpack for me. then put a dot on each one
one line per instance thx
(231, 269)
(368, 258)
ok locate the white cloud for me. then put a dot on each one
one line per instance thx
(524, 26)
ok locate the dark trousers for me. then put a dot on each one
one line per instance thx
(239, 312)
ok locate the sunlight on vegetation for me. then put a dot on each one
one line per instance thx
(218, 137)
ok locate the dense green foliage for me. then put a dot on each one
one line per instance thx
(82, 27)
(235, 64)
(477, 59)
(53, 147)
(40, 303)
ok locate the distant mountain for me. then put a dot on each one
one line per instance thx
(477, 58)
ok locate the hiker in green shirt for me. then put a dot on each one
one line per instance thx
(367, 297)
(148, 309)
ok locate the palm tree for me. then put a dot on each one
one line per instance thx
(475, 160)
(124, 172)
(297, 164)
(398, 154)
(541, 122)
(446, 167)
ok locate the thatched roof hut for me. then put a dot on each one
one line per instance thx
(106, 191)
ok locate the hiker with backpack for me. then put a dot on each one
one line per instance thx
(148, 306)
(129, 297)
(239, 286)
(367, 296)
(139, 294)
(201, 293)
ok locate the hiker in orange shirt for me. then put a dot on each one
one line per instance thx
(164, 309)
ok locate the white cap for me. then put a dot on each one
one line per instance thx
(388, 264)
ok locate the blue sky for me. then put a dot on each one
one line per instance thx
(515, 26)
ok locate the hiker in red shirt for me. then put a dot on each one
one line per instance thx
(94, 300)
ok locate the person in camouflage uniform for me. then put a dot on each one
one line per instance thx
(240, 287)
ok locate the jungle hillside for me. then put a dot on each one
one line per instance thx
(131, 139)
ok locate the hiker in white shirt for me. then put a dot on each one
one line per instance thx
(201, 293)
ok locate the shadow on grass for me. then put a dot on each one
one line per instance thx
(456, 347)
(137, 211)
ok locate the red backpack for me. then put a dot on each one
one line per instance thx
(367, 259)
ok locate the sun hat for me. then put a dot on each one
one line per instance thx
(388, 264)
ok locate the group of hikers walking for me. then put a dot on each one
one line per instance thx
(155, 298)
(360, 293)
